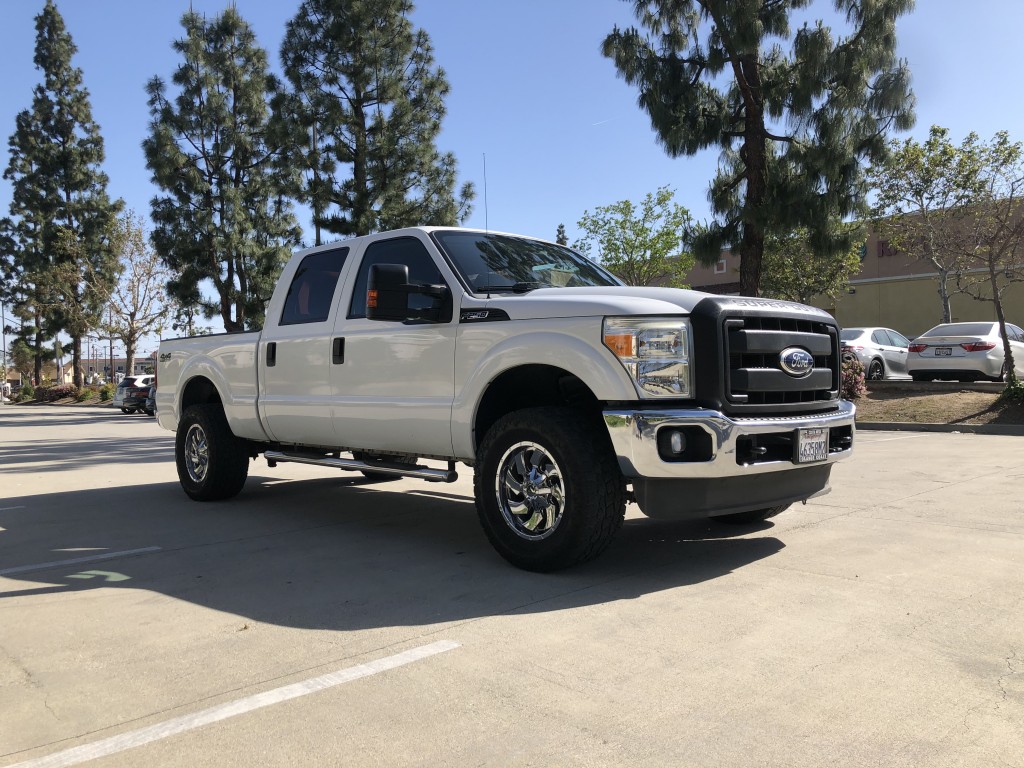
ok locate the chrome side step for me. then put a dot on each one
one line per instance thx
(401, 470)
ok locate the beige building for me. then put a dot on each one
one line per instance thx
(891, 290)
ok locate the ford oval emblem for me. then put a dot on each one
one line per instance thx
(796, 362)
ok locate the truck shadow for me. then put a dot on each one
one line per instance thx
(335, 553)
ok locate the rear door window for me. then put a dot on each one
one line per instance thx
(311, 293)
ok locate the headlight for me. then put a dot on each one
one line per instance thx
(654, 350)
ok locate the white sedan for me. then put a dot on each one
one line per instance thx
(965, 352)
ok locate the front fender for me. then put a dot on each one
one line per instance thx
(483, 354)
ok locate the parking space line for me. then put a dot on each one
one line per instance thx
(152, 733)
(8, 509)
(77, 560)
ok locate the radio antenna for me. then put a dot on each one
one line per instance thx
(486, 227)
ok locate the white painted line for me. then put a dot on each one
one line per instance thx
(178, 725)
(77, 560)
(7, 509)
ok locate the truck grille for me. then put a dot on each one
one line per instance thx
(747, 337)
(754, 346)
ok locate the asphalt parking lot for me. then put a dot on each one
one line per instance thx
(320, 620)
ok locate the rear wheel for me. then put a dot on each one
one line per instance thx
(125, 410)
(876, 371)
(549, 492)
(212, 463)
(753, 516)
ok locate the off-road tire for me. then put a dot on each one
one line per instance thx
(593, 491)
(218, 460)
(751, 516)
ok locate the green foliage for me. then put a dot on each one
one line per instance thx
(106, 392)
(1013, 393)
(560, 237)
(26, 393)
(56, 392)
(852, 384)
(85, 394)
(795, 271)
(793, 113)
(223, 216)
(642, 245)
(364, 114)
(61, 213)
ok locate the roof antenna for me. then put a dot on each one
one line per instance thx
(486, 227)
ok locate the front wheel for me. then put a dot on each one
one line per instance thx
(752, 516)
(212, 463)
(549, 492)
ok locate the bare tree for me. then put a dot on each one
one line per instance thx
(139, 304)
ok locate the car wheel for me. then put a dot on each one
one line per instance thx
(125, 410)
(1004, 373)
(549, 492)
(752, 516)
(876, 371)
(212, 463)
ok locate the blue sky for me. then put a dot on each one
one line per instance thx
(529, 89)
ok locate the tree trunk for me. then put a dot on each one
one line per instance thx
(753, 154)
(944, 296)
(37, 372)
(129, 353)
(76, 362)
(1011, 376)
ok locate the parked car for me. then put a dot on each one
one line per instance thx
(882, 351)
(150, 405)
(964, 352)
(130, 395)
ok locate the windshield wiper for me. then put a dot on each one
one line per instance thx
(523, 287)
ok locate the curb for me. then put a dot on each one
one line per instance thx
(1015, 430)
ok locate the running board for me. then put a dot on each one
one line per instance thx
(423, 473)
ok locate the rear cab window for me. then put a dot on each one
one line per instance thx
(311, 292)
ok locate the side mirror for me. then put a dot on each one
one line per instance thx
(388, 292)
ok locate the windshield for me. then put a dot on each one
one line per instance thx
(501, 263)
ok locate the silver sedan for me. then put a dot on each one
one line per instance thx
(965, 352)
(882, 351)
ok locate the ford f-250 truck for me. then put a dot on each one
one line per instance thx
(567, 392)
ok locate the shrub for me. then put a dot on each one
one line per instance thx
(106, 392)
(852, 385)
(28, 392)
(56, 392)
(84, 394)
(1013, 393)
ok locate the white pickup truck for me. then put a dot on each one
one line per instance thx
(568, 393)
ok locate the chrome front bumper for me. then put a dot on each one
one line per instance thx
(634, 438)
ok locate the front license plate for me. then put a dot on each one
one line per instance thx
(943, 351)
(811, 445)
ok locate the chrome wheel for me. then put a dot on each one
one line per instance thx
(197, 453)
(875, 371)
(530, 491)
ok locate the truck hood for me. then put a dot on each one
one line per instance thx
(587, 302)
(624, 300)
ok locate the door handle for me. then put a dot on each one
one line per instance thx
(271, 354)
(338, 350)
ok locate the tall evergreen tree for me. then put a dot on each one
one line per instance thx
(793, 127)
(560, 237)
(366, 109)
(224, 216)
(63, 215)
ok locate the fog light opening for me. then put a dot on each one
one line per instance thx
(677, 442)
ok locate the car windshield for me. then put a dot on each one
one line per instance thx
(128, 381)
(961, 329)
(505, 264)
(849, 334)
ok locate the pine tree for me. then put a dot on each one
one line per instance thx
(224, 216)
(793, 127)
(366, 109)
(65, 217)
(560, 237)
